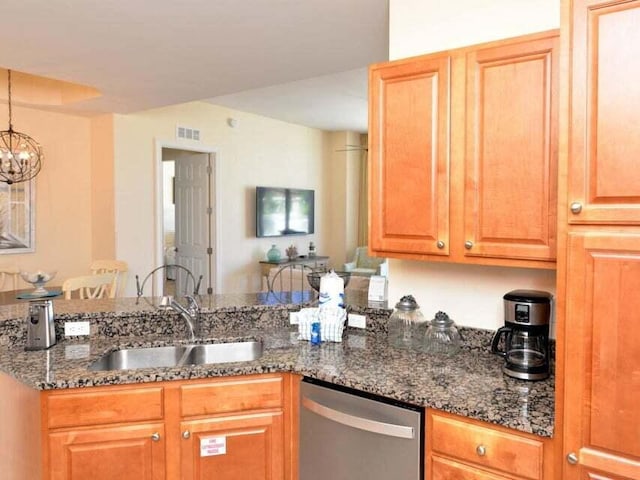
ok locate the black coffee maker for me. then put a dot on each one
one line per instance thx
(526, 334)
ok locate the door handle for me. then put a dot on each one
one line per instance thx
(382, 428)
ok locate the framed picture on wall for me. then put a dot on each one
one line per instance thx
(17, 217)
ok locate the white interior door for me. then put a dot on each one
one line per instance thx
(193, 220)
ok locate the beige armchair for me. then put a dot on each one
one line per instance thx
(364, 265)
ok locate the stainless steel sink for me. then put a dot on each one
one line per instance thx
(223, 353)
(178, 355)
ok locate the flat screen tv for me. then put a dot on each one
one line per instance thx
(284, 211)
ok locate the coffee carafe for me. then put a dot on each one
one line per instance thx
(526, 334)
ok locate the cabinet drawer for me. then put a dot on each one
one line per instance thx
(445, 469)
(231, 396)
(102, 406)
(487, 447)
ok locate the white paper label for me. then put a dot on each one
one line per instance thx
(210, 446)
(377, 288)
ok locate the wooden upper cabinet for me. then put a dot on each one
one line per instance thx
(602, 371)
(512, 150)
(604, 140)
(409, 156)
(463, 154)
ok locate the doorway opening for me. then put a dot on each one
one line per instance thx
(186, 231)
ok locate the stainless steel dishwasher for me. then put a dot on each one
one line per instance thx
(350, 435)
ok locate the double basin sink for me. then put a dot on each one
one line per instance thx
(178, 355)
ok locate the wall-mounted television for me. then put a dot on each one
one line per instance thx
(284, 211)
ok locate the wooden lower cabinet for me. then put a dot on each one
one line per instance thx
(128, 452)
(185, 430)
(233, 448)
(602, 360)
(459, 448)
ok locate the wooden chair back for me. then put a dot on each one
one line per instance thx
(9, 278)
(96, 286)
(118, 267)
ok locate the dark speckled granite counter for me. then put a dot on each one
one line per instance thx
(470, 384)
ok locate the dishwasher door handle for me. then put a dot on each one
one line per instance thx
(389, 429)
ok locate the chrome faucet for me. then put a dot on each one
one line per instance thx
(190, 314)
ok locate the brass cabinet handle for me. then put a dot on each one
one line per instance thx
(186, 434)
(576, 207)
(440, 244)
(155, 437)
(481, 450)
(572, 458)
(468, 244)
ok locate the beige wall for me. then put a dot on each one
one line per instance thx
(471, 295)
(102, 208)
(63, 230)
(258, 151)
(342, 203)
(425, 26)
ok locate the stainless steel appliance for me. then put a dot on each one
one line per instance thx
(349, 435)
(526, 334)
(41, 332)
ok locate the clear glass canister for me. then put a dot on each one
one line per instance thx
(407, 325)
(442, 336)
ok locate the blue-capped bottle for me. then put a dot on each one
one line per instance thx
(315, 334)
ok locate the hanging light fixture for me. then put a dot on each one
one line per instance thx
(20, 155)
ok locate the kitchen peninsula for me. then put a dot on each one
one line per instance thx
(470, 385)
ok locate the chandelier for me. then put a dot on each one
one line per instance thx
(20, 155)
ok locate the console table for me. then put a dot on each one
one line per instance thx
(314, 262)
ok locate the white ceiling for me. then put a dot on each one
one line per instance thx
(302, 61)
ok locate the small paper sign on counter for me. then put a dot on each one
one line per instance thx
(210, 446)
(378, 288)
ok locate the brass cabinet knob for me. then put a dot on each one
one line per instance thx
(440, 244)
(572, 458)
(481, 450)
(468, 244)
(576, 207)
(155, 437)
(186, 434)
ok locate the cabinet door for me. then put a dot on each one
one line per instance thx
(129, 452)
(409, 157)
(604, 180)
(602, 359)
(234, 448)
(511, 151)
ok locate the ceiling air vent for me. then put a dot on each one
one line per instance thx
(187, 133)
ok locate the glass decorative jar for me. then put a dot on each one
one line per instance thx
(273, 255)
(442, 336)
(407, 325)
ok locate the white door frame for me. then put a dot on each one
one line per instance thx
(158, 224)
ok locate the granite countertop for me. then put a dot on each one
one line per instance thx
(470, 383)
